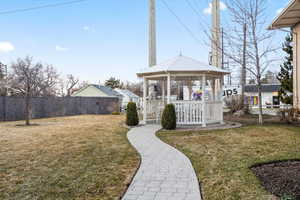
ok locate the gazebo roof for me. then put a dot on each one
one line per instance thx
(182, 64)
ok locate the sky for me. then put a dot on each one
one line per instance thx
(97, 39)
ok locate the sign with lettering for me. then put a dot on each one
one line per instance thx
(231, 90)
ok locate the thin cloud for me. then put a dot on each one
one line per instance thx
(208, 10)
(88, 28)
(60, 48)
(279, 10)
(6, 47)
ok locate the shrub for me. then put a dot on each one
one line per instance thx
(116, 113)
(287, 197)
(235, 103)
(289, 115)
(132, 118)
(168, 119)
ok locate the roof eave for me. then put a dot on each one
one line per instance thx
(273, 26)
(187, 72)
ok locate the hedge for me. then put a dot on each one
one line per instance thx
(132, 118)
(168, 120)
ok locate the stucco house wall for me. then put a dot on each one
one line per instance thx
(296, 32)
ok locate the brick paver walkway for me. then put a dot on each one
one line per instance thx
(164, 174)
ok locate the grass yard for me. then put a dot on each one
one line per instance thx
(222, 158)
(81, 157)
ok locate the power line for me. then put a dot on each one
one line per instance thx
(182, 23)
(195, 10)
(40, 7)
(202, 21)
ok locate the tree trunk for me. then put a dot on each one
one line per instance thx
(260, 115)
(27, 109)
(243, 75)
(258, 77)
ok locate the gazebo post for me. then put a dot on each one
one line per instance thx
(203, 101)
(145, 91)
(163, 90)
(213, 87)
(221, 82)
(169, 88)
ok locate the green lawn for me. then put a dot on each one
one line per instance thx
(81, 157)
(222, 158)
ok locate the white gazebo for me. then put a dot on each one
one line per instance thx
(202, 85)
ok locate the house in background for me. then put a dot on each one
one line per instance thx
(290, 18)
(94, 90)
(269, 95)
(128, 96)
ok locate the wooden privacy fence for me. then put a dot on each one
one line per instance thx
(13, 108)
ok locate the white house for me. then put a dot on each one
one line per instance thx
(127, 96)
(269, 95)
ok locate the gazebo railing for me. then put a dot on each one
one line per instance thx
(188, 112)
(214, 112)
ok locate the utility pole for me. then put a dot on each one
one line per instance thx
(243, 71)
(223, 51)
(152, 33)
(216, 54)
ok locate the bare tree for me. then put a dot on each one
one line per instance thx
(49, 82)
(31, 79)
(259, 40)
(134, 87)
(71, 83)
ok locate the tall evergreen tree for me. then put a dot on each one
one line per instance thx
(113, 83)
(285, 75)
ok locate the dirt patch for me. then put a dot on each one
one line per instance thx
(280, 178)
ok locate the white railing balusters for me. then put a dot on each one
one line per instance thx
(187, 112)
